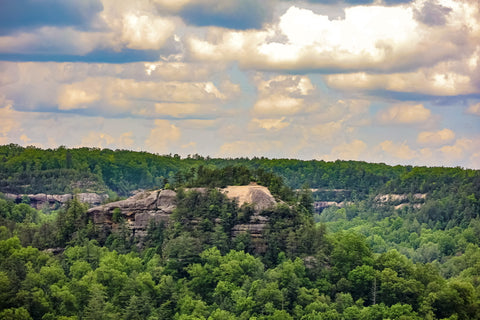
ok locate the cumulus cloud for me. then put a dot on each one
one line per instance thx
(354, 150)
(125, 140)
(271, 124)
(162, 136)
(459, 149)
(376, 38)
(398, 150)
(244, 148)
(282, 95)
(326, 131)
(432, 14)
(474, 109)
(278, 105)
(119, 26)
(435, 82)
(8, 122)
(404, 114)
(71, 98)
(297, 85)
(179, 71)
(99, 139)
(114, 90)
(143, 32)
(436, 138)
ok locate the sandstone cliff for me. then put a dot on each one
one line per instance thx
(158, 205)
(41, 200)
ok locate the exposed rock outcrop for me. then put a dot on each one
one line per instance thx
(146, 206)
(138, 210)
(384, 198)
(259, 196)
(319, 206)
(40, 200)
(399, 201)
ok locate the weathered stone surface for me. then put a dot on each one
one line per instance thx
(41, 200)
(91, 198)
(319, 206)
(401, 200)
(384, 198)
(259, 196)
(146, 206)
(138, 210)
(255, 230)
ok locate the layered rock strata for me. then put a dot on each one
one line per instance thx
(41, 200)
(158, 206)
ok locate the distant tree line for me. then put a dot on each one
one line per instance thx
(362, 261)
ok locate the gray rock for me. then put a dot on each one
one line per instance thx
(157, 206)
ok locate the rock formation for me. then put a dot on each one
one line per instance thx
(144, 207)
(138, 210)
(41, 200)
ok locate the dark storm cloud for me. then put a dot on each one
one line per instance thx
(233, 14)
(432, 14)
(19, 15)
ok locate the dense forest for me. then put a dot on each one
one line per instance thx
(413, 256)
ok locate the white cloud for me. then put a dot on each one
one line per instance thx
(283, 95)
(398, 150)
(97, 139)
(143, 32)
(436, 138)
(326, 132)
(271, 124)
(172, 5)
(277, 105)
(25, 139)
(125, 140)
(459, 149)
(114, 88)
(374, 37)
(180, 71)
(244, 148)
(145, 98)
(177, 109)
(434, 81)
(74, 98)
(354, 150)
(474, 109)
(9, 121)
(162, 137)
(295, 85)
(201, 124)
(404, 114)
(475, 161)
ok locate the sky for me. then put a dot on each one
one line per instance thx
(392, 81)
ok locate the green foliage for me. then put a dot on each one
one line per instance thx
(365, 260)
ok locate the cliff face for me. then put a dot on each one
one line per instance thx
(158, 206)
(41, 200)
(138, 210)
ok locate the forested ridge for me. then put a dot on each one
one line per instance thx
(61, 170)
(414, 256)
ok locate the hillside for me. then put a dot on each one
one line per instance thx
(235, 238)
